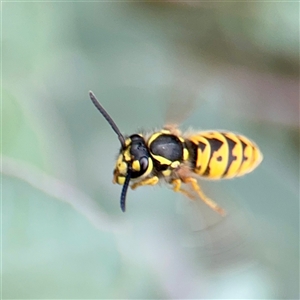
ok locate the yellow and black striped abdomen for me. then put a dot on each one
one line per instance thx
(218, 155)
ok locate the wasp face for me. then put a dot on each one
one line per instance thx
(136, 157)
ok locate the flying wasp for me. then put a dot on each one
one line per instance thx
(180, 158)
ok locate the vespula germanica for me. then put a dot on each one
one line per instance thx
(180, 158)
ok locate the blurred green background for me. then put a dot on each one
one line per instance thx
(63, 233)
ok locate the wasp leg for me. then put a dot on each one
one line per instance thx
(176, 188)
(148, 181)
(213, 205)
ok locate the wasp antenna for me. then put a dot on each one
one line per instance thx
(124, 190)
(108, 118)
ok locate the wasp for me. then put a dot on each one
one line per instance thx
(180, 158)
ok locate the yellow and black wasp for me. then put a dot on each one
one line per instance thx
(180, 158)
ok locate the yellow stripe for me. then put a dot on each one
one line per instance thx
(150, 167)
(217, 163)
(254, 154)
(202, 156)
(185, 154)
(162, 160)
(155, 135)
(248, 152)
(257, 157)
(237, 151)
(219, 158)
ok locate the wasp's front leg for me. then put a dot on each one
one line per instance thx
(147, 181)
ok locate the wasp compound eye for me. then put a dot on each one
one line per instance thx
(140, 154)
(144, 164)
(138, 147)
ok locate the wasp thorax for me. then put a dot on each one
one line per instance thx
(136, 156)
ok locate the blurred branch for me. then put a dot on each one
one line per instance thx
(62, 191)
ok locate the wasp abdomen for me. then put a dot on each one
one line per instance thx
(218, 155)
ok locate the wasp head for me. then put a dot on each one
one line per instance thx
(134, 158)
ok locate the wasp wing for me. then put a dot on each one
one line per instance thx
(179, 106)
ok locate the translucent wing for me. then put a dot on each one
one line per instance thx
(179, 107)
(222, 241)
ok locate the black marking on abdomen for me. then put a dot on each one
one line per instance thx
(202, 146)
(215, 145)
(192, 149)
(245, 158)
(231, 157)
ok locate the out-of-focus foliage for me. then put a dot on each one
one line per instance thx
(63, 234)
